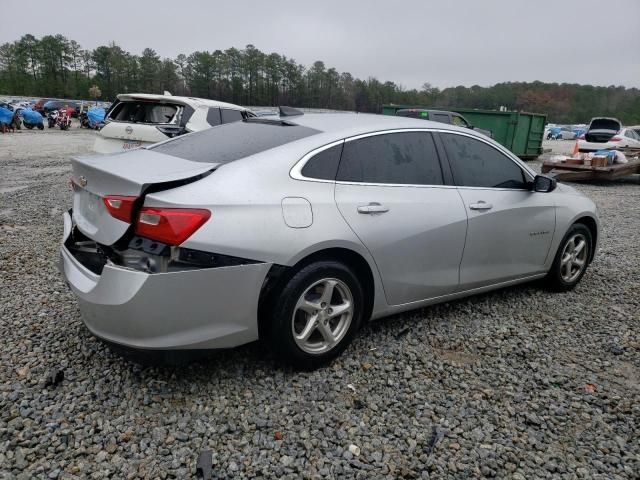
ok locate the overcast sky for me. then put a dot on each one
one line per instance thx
(444, 42)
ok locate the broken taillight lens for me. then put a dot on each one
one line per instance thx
(120, 207)
(170, 225)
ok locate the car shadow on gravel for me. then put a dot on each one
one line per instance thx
(384, 334)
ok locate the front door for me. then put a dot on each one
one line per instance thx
(510, 226)
(390, 191)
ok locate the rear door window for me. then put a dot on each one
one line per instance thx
(229, 115)
(145, 112)
(476, 164)
(394, 158)
(439, 117)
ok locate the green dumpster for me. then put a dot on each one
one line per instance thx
(520, 132)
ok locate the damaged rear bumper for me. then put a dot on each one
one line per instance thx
(207, 308)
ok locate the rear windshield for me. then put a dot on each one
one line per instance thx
(144, 112)
(233, 141)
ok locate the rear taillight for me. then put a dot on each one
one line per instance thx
(581, 137)
(120, 207)
(170, 225)
(615, 139)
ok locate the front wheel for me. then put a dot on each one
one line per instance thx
(572, 259)
(316, 314)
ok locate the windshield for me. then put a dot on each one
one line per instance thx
(233, 141)
(145, 112)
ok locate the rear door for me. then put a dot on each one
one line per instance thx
(510, 226)
(391, 192)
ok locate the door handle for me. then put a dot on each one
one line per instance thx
(481, 205)
(373, 207)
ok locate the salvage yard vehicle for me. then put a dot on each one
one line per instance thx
(442, 116)
(136, 120)
(31, 119)
(299, 229)
(608, 133)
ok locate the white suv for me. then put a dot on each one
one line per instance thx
(139, 119)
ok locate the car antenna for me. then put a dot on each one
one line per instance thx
(289, 111)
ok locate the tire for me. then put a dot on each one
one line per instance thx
(292, 312)
(565, 275)
(29, 126)
(41, 126)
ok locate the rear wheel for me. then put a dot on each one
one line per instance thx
(316, 315)
(572, 259)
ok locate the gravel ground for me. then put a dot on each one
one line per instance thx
(515, 384)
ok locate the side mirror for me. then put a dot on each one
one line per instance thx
(543, 183)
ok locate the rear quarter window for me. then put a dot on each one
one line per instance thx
(324, 164)
(213, 116)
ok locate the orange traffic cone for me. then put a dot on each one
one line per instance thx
(576, 151)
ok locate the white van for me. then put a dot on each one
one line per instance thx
(138, 119)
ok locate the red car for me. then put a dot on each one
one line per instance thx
(39, 105)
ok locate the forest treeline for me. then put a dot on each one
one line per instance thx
(55, 66)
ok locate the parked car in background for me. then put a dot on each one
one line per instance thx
(608, 133)
(136, 120)
(39, 105)
(441, 116)
(70, 107)
(567, 133)
(297, 230)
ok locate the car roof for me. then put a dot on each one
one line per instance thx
(351, 124)
(193, 101)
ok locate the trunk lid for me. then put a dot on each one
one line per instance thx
(602, 129)
(127, 174)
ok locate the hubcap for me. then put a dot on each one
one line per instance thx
(322, 316)
(574, 258)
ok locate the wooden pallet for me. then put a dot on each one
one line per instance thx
(568, 172)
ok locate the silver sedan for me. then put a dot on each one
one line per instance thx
(298, 229)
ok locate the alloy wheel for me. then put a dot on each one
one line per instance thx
(322, 316)
(574, 258)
